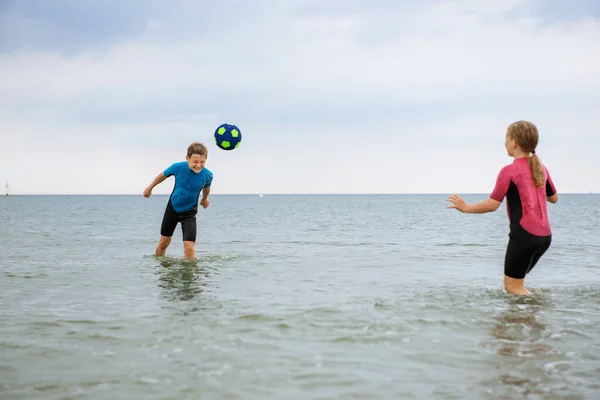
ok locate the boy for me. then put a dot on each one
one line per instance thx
(191, 178)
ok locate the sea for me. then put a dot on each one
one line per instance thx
(293, 297)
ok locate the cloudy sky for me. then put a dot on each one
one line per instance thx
(331, 96)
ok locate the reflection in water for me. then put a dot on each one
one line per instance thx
(519, 329)
(181, 279)
(521, 339)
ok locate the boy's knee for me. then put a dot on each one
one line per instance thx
(189, 249)
(164, 242)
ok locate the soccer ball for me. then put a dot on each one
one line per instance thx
(228, 137)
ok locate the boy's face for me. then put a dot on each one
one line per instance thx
(196, 162)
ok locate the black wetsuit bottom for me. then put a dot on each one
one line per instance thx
(523, 252)
(187, 220)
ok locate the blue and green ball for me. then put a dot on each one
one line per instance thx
(228, 137)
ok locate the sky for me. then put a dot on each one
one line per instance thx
(331, 96)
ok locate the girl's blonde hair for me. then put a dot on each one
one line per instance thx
(526, 136)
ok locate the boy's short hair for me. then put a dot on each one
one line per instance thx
(197, 148)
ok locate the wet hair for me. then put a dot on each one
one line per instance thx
(197, 148)
(526, 136)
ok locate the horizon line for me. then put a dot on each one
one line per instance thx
(272, 194)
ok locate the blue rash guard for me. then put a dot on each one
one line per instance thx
(188, 185)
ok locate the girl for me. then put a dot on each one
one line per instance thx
(527, 185)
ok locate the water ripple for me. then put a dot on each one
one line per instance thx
(322, 297)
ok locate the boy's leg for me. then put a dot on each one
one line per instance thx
(167, 228)
(189, 249)
(161, 248)
(188, 228)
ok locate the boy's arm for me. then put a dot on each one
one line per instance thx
(206, 191)
(204, 202)
(206, 188)
(159, 178)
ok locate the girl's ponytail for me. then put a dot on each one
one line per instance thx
(537, 170)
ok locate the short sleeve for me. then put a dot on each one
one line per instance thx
(172, 170)
(502, 184)
(208, 182)
(550, 188)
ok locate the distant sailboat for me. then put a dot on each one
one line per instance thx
(7, 188)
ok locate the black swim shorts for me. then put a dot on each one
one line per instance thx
(523, 252)
(187, 220)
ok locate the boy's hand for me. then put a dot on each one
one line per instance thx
(204, 203)
(147, 192)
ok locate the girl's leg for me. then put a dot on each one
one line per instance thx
(515, 286)
(516, 264)
(522, 254)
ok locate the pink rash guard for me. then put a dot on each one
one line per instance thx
(526, 204)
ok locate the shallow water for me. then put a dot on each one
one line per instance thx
(310, 297)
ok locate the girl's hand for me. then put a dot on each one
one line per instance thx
(457, 202)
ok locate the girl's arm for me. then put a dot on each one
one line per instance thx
(485, 206)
